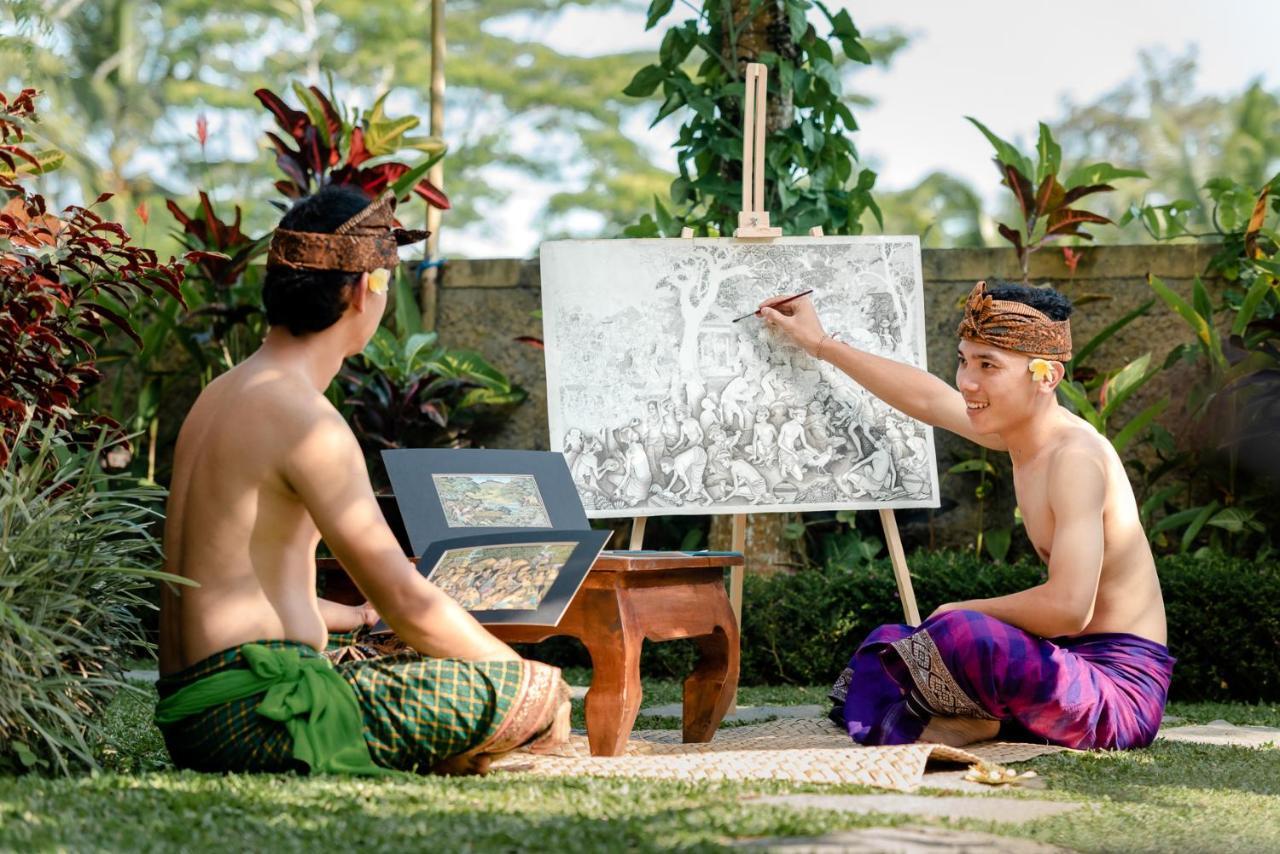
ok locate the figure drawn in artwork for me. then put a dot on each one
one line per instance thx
(690, 430)
(733, 398)
(587, 468)
(764, 439)
(870, 475)
(637, 477)
(655, 441)
(708, 418)
(795, 454)
(687, 474)
(670, 424)
(747, 483)
(815, 428)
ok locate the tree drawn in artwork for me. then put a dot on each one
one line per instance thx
(696, 280)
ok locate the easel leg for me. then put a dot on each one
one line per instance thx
(736, 574)
(637, 533)
(900, 572)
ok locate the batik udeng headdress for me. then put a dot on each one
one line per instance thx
(1016, 326)
(362, 244)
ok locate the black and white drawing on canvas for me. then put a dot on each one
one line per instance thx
(662, 405)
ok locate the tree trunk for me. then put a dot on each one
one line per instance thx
(766, 32)
(767, 551)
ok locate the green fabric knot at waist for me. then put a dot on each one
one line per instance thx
(314, 702)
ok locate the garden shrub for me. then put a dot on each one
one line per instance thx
(1224, 620)
(75, 552)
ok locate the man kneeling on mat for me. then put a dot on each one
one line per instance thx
(265, 467)
(1079, 660)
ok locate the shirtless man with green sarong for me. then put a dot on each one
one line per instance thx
(265, 468)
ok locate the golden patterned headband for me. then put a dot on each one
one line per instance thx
(1016, 326)
(362, 244)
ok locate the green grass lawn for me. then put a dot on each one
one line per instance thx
(1171, 797)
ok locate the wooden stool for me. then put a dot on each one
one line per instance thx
(626, 599)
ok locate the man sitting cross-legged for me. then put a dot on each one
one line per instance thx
(1079, 660)
(265, 467)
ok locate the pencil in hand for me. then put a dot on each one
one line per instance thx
(756, 313)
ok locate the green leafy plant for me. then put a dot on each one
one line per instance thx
(408, 390)
(995, 540)
(1047, 201)
(1215, 487)
(811, 176)
(76, 553)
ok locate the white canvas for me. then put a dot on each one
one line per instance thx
(661, 405)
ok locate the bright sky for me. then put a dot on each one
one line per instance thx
(1009, 64)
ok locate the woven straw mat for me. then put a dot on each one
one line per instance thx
(796, 750)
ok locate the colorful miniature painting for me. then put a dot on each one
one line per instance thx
(501, 577)
(491, 501)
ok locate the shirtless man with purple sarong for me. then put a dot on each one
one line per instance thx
(1079, 660)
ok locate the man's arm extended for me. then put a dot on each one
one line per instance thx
(328, 473)
(1064, 604)
(906, 388)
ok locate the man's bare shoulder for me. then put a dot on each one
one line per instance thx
(282, 399)
(1079, 461)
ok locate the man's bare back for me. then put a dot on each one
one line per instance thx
(264, 468)
(235, 525)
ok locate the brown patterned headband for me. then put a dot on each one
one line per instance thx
(1015, 326)
(362, 244)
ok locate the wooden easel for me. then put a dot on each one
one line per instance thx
(753, 224)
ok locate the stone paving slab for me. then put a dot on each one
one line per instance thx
(903, 840)
(1223, 732)
(744, 714)
(1007, 810)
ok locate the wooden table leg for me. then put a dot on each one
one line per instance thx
(613, 642)
(710, 689)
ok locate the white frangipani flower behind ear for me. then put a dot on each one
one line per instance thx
(378, 280)
(1040, 369)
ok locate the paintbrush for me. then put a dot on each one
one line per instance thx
(775, 305)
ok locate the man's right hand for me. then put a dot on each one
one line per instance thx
(798, 320)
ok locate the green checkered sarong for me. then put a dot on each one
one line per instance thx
(417, 711)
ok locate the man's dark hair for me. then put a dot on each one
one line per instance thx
(311, 300)
(1047, 301)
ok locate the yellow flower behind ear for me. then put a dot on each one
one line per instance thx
(1040, 369)
(378, 280)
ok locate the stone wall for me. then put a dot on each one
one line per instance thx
(486, 304)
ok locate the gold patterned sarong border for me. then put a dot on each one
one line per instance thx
(531, 712)
(936, 684)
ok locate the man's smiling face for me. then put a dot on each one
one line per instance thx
(997, 387)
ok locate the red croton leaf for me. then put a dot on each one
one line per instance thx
(1021, 187)
(291, 121)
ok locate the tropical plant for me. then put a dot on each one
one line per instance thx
(77, 553)
(1046, 202)
(322, 132)
(223, 321)
(1223, 481)
(62, 277)
(407, 390)
(1098, 396)
(811, 176)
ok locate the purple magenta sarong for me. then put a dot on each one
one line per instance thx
(1092, 691)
